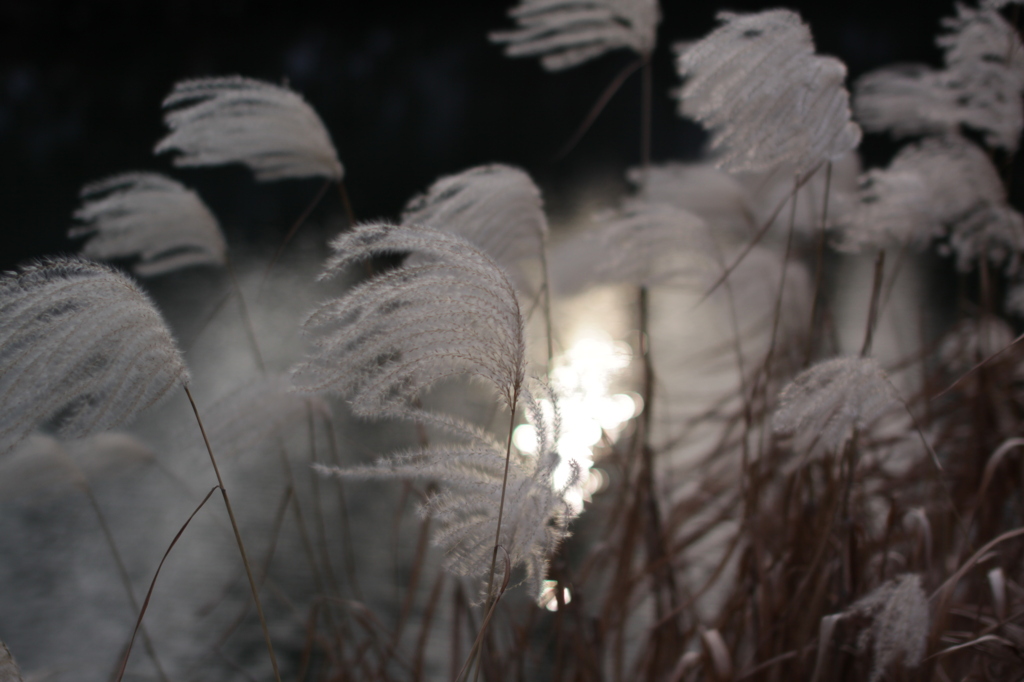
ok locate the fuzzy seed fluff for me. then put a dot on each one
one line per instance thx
(767, 98)
(232, 119)
(452, 312)
(82, 349)
(150, 217)
(900, 623)
(566, 33)
(825, 403)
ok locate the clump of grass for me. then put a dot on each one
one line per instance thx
(789, 502)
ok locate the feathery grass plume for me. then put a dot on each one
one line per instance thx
(8, 667)
(893, 208)
(232, 119)
(536, 515)
(82, 349)
(567, 33)
(257, 413)
(496, 207)
(904, 100)
(900, 623)
(985, 58)
(767, 98)
(825, 403)
(981, 86)
(149, 216)
(940, 188)
(390, 338)
(968, 201)
(741, 202)
(643, 244)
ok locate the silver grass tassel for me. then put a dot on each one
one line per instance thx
(567, 33)
(150, 217)
(231, 119)
(82, 349)
(496, 207)
(389, 339)
(767, 98)
(826, 403)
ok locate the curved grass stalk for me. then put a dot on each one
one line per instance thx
(238, 539)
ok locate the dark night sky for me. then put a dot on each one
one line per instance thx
(409, 91)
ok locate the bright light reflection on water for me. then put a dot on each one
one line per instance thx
(548, 598)
(582, 377)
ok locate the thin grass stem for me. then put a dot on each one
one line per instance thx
(238, 538)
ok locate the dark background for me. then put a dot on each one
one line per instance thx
(409, 91)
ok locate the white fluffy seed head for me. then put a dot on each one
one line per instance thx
(82, 349)
(231, 119)
(536, 514)
(566, 33)
(826, 403)
(453, 312)
(767, 98)
(900, 623)
(496, 207)
(980, 88)
(150, 217)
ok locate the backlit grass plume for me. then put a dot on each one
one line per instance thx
(536, 514)
(496, 207)
(900, 623)
(233, 119)
(567, 33)
(150, 217)
(980, 88)
(82, 349)
(387, 340)
(942, 187)
(827, 402)
(767, 98)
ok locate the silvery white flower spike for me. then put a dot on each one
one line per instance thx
(825, 403)
(536, 513)
(985, 60)
(904, 100)
(82, 349)
(980, 88)
(496, 207)
(567, 33)
(766, 97)
(948, 187)
(149, 216)
(385, 341)
(233, 119)
(893, 208)
(900, 623)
